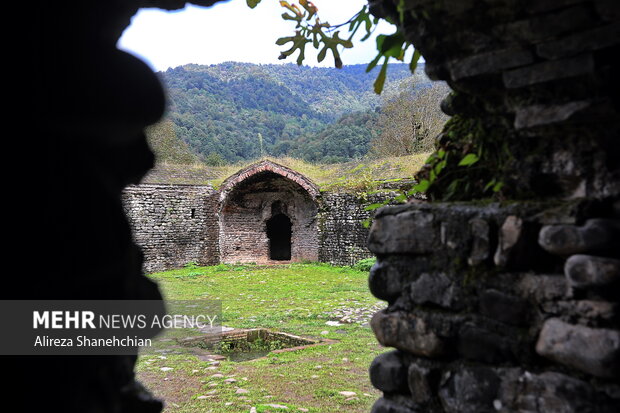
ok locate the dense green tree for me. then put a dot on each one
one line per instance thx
(300, 111)
(167, 146)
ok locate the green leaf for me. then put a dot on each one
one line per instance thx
(489, 185)
(321, 54)
(392, 45)
(380, 81)
(372, 207)
(452, 189)
(309, 7)
(439, 167)
(469, 159)
(374, 62)
(498, 186)
(400, 198)
(422, 186)
(388, 46)
(252, 3)
(414, 61)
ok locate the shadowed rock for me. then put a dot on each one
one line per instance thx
(584, 271)
(595, 235)
(593, 351)
(388, 372)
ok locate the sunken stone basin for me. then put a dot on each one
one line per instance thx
(248, 344)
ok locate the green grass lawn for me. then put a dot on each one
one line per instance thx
(298, 299)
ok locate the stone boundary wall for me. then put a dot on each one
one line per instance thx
(342, 237)
(173, 224)
(177, 224)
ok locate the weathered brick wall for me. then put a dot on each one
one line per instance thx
(177, 224)
(509, 307)
(173, 224)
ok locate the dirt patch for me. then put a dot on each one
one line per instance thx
(173, 389)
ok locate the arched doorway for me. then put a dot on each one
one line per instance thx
(279, 235)
(268, 213)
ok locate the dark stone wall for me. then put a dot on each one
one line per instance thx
(486, 313)
(79, 107)
(508, 306)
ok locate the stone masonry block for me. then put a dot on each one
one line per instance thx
(595, 235)
(436, 288)
(469, 390)
(388, 372)
(509, 235)
(481, 243)
(593, 351)
(407, 332)
(384, 405)
(541, 115)
(503, 307)
(384, 283)
(549, 25)
(548, 71)
(595, 39)
(490, 62)
(408, 232)
(585, 271)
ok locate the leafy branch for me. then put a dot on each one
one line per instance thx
(310, 29)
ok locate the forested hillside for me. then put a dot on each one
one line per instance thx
(238, 111)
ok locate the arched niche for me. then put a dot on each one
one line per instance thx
(267, 215)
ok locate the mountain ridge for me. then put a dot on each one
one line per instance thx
(238, 111)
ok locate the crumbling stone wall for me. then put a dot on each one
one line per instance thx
(548, 64)
(509, 306)
(173, 224)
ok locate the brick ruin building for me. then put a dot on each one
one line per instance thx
(268, 213)
(265, 213)
(491, 306)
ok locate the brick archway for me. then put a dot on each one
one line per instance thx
(267, 166)
(246, 210)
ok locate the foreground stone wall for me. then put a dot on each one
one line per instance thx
(512, 306)
(89, 105)
(497, 308)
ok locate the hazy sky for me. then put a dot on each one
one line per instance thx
(231, 31)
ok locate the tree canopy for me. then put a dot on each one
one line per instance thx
(318, 114)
